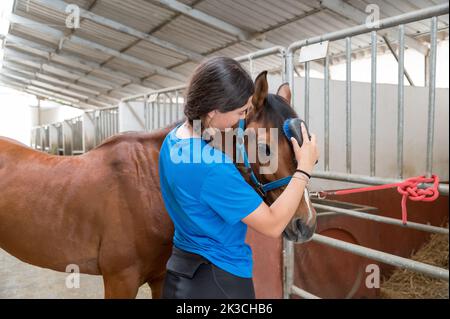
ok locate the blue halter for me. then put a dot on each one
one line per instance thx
(241, 152)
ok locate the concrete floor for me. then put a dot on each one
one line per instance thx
(21, 280)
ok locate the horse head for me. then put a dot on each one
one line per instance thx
(267, 116)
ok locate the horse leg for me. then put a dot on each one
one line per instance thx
(121, 285)
(156, 285)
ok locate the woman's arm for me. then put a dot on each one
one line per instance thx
(271, 221)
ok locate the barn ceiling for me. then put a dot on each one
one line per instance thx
(124, 48)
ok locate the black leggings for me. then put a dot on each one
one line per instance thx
(191, 276)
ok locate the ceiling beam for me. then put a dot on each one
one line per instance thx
(69, 59)
(256, 39)
(61, 6)
(206, 19)
(349, 12)
(91, 94)
(75, 62)
(51, 88)
(43, 93)
(11, 54)
(40, 27)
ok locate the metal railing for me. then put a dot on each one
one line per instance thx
(347, 34)
(106, 123)
(40, 138)
(73, 136)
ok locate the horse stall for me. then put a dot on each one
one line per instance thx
(369, 134)
(98, 125)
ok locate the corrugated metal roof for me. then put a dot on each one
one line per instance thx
(281, 22)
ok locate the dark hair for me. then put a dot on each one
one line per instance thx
(218, 83)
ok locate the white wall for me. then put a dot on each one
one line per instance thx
(19, 113)
(387, 68)
(57, 113)
(16, 116)
(415, 128)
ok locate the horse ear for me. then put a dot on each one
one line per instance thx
(285, 92)
(261, 90)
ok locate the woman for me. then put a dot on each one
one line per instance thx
(209, 202)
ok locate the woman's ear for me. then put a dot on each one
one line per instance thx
(285, 92)
(261, 90)
(211, 114)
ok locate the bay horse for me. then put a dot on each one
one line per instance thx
(103, 210)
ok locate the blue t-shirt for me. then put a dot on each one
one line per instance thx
(206, 197)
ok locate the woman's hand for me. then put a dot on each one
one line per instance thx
(308, 154)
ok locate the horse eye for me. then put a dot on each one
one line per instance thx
(264, 149)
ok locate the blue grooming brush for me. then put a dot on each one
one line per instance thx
(292, 128)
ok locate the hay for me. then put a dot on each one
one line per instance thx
(405, 284)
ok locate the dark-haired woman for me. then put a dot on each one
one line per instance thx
(209, 202)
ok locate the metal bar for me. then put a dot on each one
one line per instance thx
(146, 114)
(207, 19)
(373, 103)
(108, 123)
(283, 67)
(111, 116)
(290, 76)
(102, 126)
(110, 108)
(288, 268)
(404, 72)
(165, 110)
(178, 107)
(288, 246)
(95, 128)
(107, 128)
(431, 96)
(306, 118)
(382, 24)
(116, 121)
(261, 53)
(150, 92)
(383, 219)
(171, 115)
(348, 103)
(350, 12)
(370, 180)
(326, 78)
(111, 122)
(303, 293)
(383, 257)
(158, 110)
(400, 99)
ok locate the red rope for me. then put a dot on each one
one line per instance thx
(407, 188)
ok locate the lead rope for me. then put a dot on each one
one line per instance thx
(407, 188)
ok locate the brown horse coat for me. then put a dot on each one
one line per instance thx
(101, 211)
